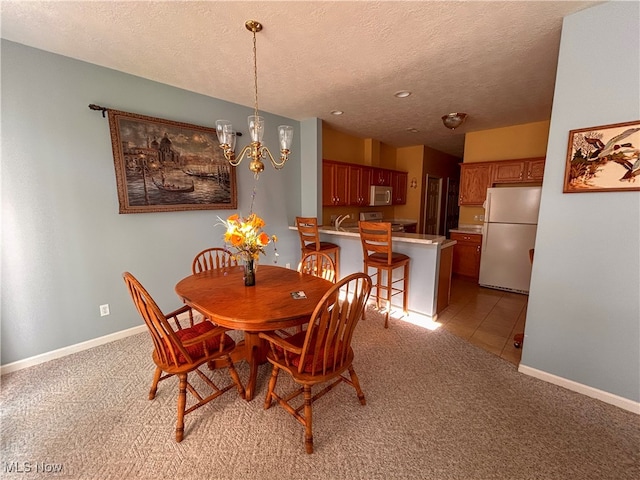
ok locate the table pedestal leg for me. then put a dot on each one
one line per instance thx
(255, 355)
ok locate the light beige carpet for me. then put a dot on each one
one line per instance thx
(437, 408)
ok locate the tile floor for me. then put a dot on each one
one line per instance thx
(485, 317)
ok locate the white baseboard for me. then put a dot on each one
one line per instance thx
(78, 347)
(61, 352)
(606, 397)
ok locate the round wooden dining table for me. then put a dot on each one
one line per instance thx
(273, 303)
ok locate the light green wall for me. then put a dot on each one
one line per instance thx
(64, 245)
(583, 318)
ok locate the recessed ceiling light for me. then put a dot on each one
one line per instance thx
(336, 112)
(402, 94)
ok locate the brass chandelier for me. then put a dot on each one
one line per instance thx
(255, 150)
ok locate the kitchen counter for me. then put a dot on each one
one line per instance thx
(429, 269)
(467, 229)
(398, 237)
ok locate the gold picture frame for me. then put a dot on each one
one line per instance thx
(166, 166)
(603, 159)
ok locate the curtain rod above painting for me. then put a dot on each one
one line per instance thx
(93, 106)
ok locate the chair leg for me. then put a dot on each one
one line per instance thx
(389, 285)
(405, 293)
(234, 376)
(272, 386)
(356, 385)
(182, 401)
(378, 277)
(365, 269)
(308, 420)
(336, 257)
(154, 384)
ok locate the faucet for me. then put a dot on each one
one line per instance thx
(340, 219)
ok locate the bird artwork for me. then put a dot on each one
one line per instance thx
(620, 153)
(604, 158)
(633, 172)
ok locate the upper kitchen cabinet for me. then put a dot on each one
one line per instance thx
(359, 183)
(399, 185)
(335, 183)
(475, 178)
(535, 169)
(350, 183)
(381, 176)
(512, 171)
(516, 171)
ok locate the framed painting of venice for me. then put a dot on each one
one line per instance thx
(603, 159)
(164, 166)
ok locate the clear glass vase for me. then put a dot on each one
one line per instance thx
(249, 272)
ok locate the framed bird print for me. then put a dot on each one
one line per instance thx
(603, 159)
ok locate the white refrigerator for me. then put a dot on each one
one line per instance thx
(509, 232)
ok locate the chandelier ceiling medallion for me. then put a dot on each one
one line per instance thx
(454, 120)
(255, 150)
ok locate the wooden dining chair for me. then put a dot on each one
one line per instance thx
(318, 264)
(320, 354)
(180, 351)
(310, 240)
(377, 249)
(212, 258)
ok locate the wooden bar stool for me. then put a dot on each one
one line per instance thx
(310, 241)
(377, 252)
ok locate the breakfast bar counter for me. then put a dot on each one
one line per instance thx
(429, 269)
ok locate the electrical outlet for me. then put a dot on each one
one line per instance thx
(104, 309)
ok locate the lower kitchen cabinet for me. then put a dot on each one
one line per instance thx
(466, 254)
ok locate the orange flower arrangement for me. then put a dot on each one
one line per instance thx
(245, 235)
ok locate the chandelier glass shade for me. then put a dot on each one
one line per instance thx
(255, 151)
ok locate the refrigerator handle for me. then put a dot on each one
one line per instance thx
(485, 232)
(487, 207)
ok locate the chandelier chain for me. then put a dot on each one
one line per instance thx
(255, 151)
(255, 74)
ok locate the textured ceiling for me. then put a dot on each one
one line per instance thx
(494, 60)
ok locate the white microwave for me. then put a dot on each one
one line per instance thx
(380, 195)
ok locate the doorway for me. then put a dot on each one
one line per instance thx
(431, 220)
(452, 209)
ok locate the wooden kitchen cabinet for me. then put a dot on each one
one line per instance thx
(399, 185)
(335, 183)
(381, 176)
(506, 172)
(535, 169)
(516, 171)
(475, 178)
(466, 254)
(350, 183)
(359, 185)
(474, 181)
